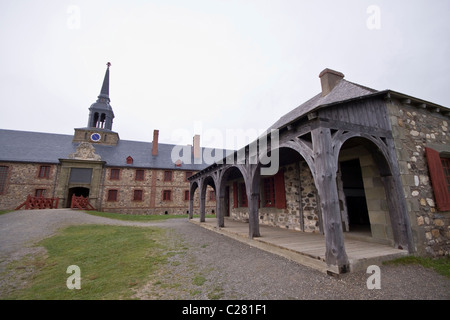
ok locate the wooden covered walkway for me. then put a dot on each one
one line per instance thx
(305, 248)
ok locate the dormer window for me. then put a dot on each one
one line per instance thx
(129, 160)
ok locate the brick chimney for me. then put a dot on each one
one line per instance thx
(196, 147)
(329, 79)
(155, 143)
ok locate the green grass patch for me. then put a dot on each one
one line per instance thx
(113, 261)
(5, 211)
(199, 280)
(440, 265)
(134, 217)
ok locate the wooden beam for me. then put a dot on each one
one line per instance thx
(325, 179)
(252, 178)
(312, 115)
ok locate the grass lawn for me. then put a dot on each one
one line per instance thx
(441, 265)
(113, 260)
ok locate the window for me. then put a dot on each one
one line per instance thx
(3, 178)
(139, 175)
(40, 193)
(129, 160)
(167, 175)
(186, 195)
(115, 174)
(212, 195)
(446, 166)
(137, 195)
(44, 172)
(243, 193)
(167, 195)
(112, 195)
(269, 192)
(438, 168)
(80, 175)
(188, 175)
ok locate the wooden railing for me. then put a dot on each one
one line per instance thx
(39, 203)
(81, 203)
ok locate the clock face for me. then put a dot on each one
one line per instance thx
(96, 137)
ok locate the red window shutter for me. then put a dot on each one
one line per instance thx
(440, 190)
(280, 195)
(235, 195)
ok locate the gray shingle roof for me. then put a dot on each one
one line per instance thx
(344, 90)
(38, 147)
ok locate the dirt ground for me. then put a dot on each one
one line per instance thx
(212, 266)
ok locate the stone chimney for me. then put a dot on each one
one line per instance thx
(196, 147)
(155, 143)
(329, 79)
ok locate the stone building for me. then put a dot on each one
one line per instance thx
(117, 175)
(351, 162)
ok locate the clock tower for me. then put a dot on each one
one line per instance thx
(101, 115)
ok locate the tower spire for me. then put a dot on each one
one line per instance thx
(100, 121)
(104, 93)
(101, 114)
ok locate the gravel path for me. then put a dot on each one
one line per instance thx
(211, 266)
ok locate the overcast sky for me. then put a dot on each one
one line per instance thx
(190, 67)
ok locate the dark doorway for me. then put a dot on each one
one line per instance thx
(355, 197)
(227, 201)
(77, 191)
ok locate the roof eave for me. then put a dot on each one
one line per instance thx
(387, 93)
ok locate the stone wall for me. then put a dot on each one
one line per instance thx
(152, 187)
(309, 200)
(301, 211)
(415, 128)
(23, 180)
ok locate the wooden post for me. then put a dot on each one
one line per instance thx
(253, 218)
(191, 206)
(220, 204)
(220, 209)
(325, 174)
(191, 200)
(202, 205)
(252, 187)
